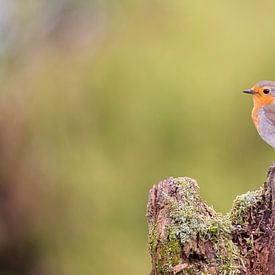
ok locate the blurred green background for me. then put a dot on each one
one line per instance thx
(102, 99)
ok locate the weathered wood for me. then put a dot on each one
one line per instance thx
(186, 236)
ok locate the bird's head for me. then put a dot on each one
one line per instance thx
(263, 93)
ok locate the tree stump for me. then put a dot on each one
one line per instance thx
(186, 236)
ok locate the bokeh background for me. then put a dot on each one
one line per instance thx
(102, 99)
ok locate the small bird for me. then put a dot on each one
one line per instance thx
(263, 113)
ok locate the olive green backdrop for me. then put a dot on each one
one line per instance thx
(121, 94)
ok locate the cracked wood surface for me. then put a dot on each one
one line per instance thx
(186, 236)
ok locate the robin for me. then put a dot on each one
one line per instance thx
(263, 113)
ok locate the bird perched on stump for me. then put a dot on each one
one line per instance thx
(263, 113)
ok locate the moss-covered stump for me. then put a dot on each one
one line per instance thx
(186, 236)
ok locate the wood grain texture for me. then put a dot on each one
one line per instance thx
(186, 236)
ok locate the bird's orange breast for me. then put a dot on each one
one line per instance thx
(259, 102)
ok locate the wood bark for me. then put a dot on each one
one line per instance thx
(186, 236)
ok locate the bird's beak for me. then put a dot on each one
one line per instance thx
(249, 92)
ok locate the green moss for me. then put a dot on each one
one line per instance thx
(242, 204)
(192, 222)
(153, 239)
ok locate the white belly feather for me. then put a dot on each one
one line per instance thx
(266, 128)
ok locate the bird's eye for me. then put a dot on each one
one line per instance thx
(266, 91)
